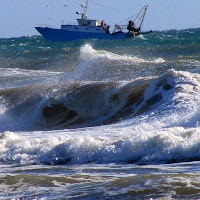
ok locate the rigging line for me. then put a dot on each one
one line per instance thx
(128, 18)
(109, 7)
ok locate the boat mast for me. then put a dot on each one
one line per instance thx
(84, 15)
(141, 15)
(145, 9)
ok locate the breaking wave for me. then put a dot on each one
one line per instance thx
(80, 104)
(104, 65)
(87, 52)
(155, 120)
(160, 146)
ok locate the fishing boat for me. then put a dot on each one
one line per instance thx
(91, 29)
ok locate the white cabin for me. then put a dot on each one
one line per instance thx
(88, 22)
(87, 25)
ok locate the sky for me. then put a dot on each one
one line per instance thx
(19, 17)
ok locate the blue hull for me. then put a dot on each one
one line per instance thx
(57, 35)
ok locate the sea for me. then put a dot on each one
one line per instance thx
(100, 119)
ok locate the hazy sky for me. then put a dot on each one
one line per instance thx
(19, 17)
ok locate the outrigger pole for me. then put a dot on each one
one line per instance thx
(145, 10)
(141, 14)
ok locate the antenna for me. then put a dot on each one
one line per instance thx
(84, 15)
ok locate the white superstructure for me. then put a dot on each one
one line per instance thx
(87, 25)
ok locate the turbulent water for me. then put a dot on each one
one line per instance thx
(97, 119)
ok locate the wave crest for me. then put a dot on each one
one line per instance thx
(81, 104)
(87, 52)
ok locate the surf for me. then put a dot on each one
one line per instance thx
(93, 103)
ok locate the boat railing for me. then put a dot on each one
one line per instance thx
(45, 26)
(118, 28)
(68, 22)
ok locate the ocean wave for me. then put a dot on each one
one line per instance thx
(84, 103)
(161, 146)
(92, 103)
(16, 72)
(104, 65)
(155, 120)
(87, 52)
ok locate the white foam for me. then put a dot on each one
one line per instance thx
(159, 60)
(142, 37)
(87, 52)
(16, 72)
(80, 147)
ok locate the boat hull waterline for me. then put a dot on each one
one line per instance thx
(57, 35)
